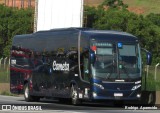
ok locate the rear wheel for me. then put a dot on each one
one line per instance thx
(74, 96)
(27, 95)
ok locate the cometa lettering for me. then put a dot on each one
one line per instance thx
(60, 67)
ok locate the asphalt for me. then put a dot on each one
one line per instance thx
(11, 104)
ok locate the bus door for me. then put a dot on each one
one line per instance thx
(85, 66)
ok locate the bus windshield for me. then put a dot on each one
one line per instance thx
(116, 61)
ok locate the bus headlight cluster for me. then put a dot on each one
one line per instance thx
(98, 85)
(136, 87)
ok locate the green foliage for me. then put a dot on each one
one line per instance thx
(90, 13)
(114, 4)
(155, 18)
(13, 21)
(113, 20)
(146, 28)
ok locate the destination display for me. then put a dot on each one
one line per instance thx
(102, 44)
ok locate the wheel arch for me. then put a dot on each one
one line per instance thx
(25, 82)
(73, 82)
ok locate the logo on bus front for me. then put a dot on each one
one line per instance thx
(60, 66)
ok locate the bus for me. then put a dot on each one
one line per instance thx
(78, 64)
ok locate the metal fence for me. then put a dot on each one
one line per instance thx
(4, 70)
(151, 77)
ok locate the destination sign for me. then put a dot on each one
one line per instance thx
(104, 44)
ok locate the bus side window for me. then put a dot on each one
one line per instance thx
(85, 65)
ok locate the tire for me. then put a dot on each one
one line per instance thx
(148, 98)
(74, 96)
(27, 95)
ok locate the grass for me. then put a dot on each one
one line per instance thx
(149, 6)
(4, 80)
(138, 6)
(7, 93)
(4, 75)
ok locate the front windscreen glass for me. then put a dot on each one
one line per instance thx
(115, 60)
(105, 65)
(129, 65)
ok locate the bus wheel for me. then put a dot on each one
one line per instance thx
(27, 95)
(74, 96)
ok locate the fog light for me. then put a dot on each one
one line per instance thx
(94, 94)
(138, 95)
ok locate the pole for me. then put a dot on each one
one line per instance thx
(147, 70)
(29, 3)
(8, 67)
(4, 62)
(12, 3)
(5, 2)
(82, 14)
(155, 75)
(35, 16)
(0, 62)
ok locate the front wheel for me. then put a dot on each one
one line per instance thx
(74, 96)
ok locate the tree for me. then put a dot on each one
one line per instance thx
(13, 22)
(155, 18)
(114, 20)
(89, 16)
(114, 4)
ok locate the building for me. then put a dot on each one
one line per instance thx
(31, 3)
(18, 3)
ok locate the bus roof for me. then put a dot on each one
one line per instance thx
(118, 35)
(87, 30)
(69, 37)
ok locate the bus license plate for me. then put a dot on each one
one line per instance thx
(118, 94)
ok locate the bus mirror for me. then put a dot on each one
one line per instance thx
(149, 58)
(92, 56)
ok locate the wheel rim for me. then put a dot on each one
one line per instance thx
(26, 92)
(150, 100)
(74, 95)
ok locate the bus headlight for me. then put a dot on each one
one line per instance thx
(138, 95)
(136, 87)
(98, 85)
(94, 94)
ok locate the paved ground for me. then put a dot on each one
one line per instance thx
(17, 105)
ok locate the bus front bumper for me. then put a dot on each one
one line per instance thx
(117, 95)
